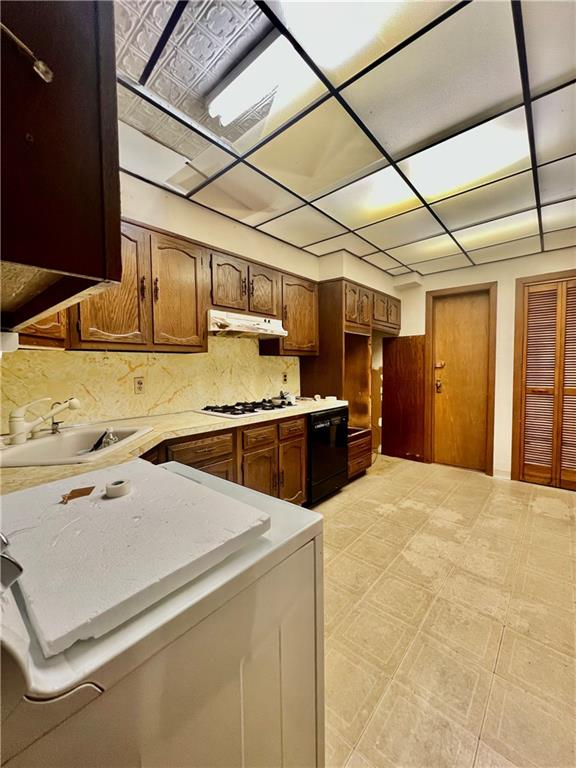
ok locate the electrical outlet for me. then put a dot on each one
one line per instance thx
(138, 385)
(284, 378)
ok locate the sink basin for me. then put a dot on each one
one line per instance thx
(71, 446)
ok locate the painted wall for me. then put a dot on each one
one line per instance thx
(104, 382)
(505, 273)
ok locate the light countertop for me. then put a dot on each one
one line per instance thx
(164, 427)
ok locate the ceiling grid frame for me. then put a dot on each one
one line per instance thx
(333, 92)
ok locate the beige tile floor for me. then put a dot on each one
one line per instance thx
(450, 621)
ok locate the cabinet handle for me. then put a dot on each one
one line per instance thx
(252, 288)
(40, 67)
(282, 479)
(156, 289)
(143, 287)
(243, 286)
(285, 312)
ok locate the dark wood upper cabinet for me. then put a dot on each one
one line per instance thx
(386, 313)
(61, 216)
(263, 290)
(121, 314)
(357, 307)
(300, 315)
(292, 468)
(179, 288)
(229, 282)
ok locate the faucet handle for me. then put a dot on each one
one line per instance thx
(4, 543)
(20, 413)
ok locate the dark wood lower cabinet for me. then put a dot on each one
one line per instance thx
(225, 469)
(292, 466)
(260, 470)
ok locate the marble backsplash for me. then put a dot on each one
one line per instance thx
(104, 381)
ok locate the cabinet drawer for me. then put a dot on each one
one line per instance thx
(292, 428)
(359, 447)
(258, 437)
(226, 469)
(359, 464)
(202, 449)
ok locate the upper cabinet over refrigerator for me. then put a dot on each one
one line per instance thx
(60, 179)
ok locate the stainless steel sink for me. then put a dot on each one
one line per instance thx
(71, 446)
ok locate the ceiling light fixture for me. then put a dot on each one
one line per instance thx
(350, 27)
(468, 160)
(271, 69)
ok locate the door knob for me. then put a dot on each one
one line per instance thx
(438, 385)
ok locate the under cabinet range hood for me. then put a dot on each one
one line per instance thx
(235, 324)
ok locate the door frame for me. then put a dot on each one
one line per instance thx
(519, 341)
(492, 290)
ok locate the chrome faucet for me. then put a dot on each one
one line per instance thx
(19, 429)
(10, 569)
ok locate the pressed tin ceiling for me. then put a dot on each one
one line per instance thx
(417, 135)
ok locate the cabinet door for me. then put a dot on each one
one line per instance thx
(364, 307)
(179, 292)
(300, 315)
(229, 282)
(260, 470)
(51, 327)
(380, 309)
(351, 302)
(225, 469)
(292, 465)
(121, 313)
(394, 312)
(263, 290)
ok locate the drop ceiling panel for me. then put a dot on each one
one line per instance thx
(358, 32)
(558, 180)
(424, 250)
(247, 196)
(550, 32)
(559, 215)
(506, 250)
(399, 271)
(490, 201)
(565, 238)
(381, 260)
(391, 233)
(498, 231)
(210, 44)
(202, 158)
(302, 227)
(350, 242)
(554, 124)
(486, 153)
(442, 265)
(322, 151)
(461, 71)
(377, 196)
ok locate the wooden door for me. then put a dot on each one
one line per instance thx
(179, 291)
(229, 282)
(545, 419)
(461, 371)
(300, 315)
(403, 397)
(264, 290)
(121, 314)
(292, 465)
(260, 470)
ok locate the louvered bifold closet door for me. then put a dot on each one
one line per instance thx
(540, 379)
(568, 421)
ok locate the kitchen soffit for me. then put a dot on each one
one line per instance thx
(403, 133)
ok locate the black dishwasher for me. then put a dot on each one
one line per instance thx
(327, 452)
